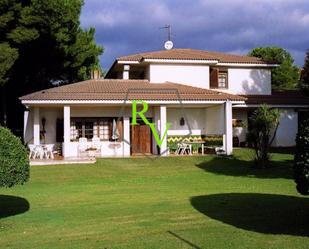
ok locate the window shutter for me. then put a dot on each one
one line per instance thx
(214, 77)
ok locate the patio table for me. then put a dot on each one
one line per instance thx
(197, 142)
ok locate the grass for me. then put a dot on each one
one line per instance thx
(188, 202)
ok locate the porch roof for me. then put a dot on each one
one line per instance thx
(287, 97)
(112, 89)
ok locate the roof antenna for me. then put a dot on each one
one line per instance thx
(168, 45)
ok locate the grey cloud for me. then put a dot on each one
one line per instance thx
(125, 27)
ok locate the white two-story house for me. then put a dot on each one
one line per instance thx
(191, 94)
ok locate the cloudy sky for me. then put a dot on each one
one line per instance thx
(132, 26)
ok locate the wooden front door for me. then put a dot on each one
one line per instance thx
(140, 139)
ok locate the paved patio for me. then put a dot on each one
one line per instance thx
(73, 160)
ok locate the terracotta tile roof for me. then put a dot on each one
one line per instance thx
(278, 98)
(111, 89)
(193, 54)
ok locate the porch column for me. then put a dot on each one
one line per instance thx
(66, 130)
(126, 70)
(126, 136)
(26, 118)
(156, 121)
(36, 125)
(228, 136)
(163, 148)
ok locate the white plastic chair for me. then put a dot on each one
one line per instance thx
(38, 152)
(32, 151)
(96, 143)
(82, 145)
(183, 148)
(49, 151)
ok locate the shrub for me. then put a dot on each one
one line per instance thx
(263, 121)
(14, 162)
(301, 159)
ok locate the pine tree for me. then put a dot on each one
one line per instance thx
(42, 43)
(286, 75)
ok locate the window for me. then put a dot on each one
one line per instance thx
(90, 127)
(222, 80)
(218, 77)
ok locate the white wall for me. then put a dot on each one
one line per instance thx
(51, 115)
(287, 129)
(202, 121)
(196, 118)
(194, 75)
(108, 149)
(249, 81)
(240, 132)
(286, 132)
(215, 120)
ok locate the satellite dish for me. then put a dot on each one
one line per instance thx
(168, 45)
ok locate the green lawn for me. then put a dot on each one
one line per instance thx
(179, 202)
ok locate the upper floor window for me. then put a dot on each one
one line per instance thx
(218, 78)
(222, 80)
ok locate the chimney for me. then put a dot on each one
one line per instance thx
(126, 70)
(95, 74)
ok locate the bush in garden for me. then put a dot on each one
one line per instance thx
(301, 159)
(264, 121)
(14, 162)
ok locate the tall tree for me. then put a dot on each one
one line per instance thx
(10, 14)
(305, 75)
(50, 47)
(286, 75)
(301, 158)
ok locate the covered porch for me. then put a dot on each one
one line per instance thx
(87, 131)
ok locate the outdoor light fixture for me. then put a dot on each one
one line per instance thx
(182, 121)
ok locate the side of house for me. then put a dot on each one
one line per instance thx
(242, 75)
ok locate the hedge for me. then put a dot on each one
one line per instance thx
(14, 162)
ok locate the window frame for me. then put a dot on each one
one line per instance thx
(223, 72)
(94, 120)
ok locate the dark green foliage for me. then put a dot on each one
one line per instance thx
(42, 43)
(9, 12)
(262, 122)
(286, 75)
(305, 75)
(14, 162)
(8, 55)
(301, 160)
